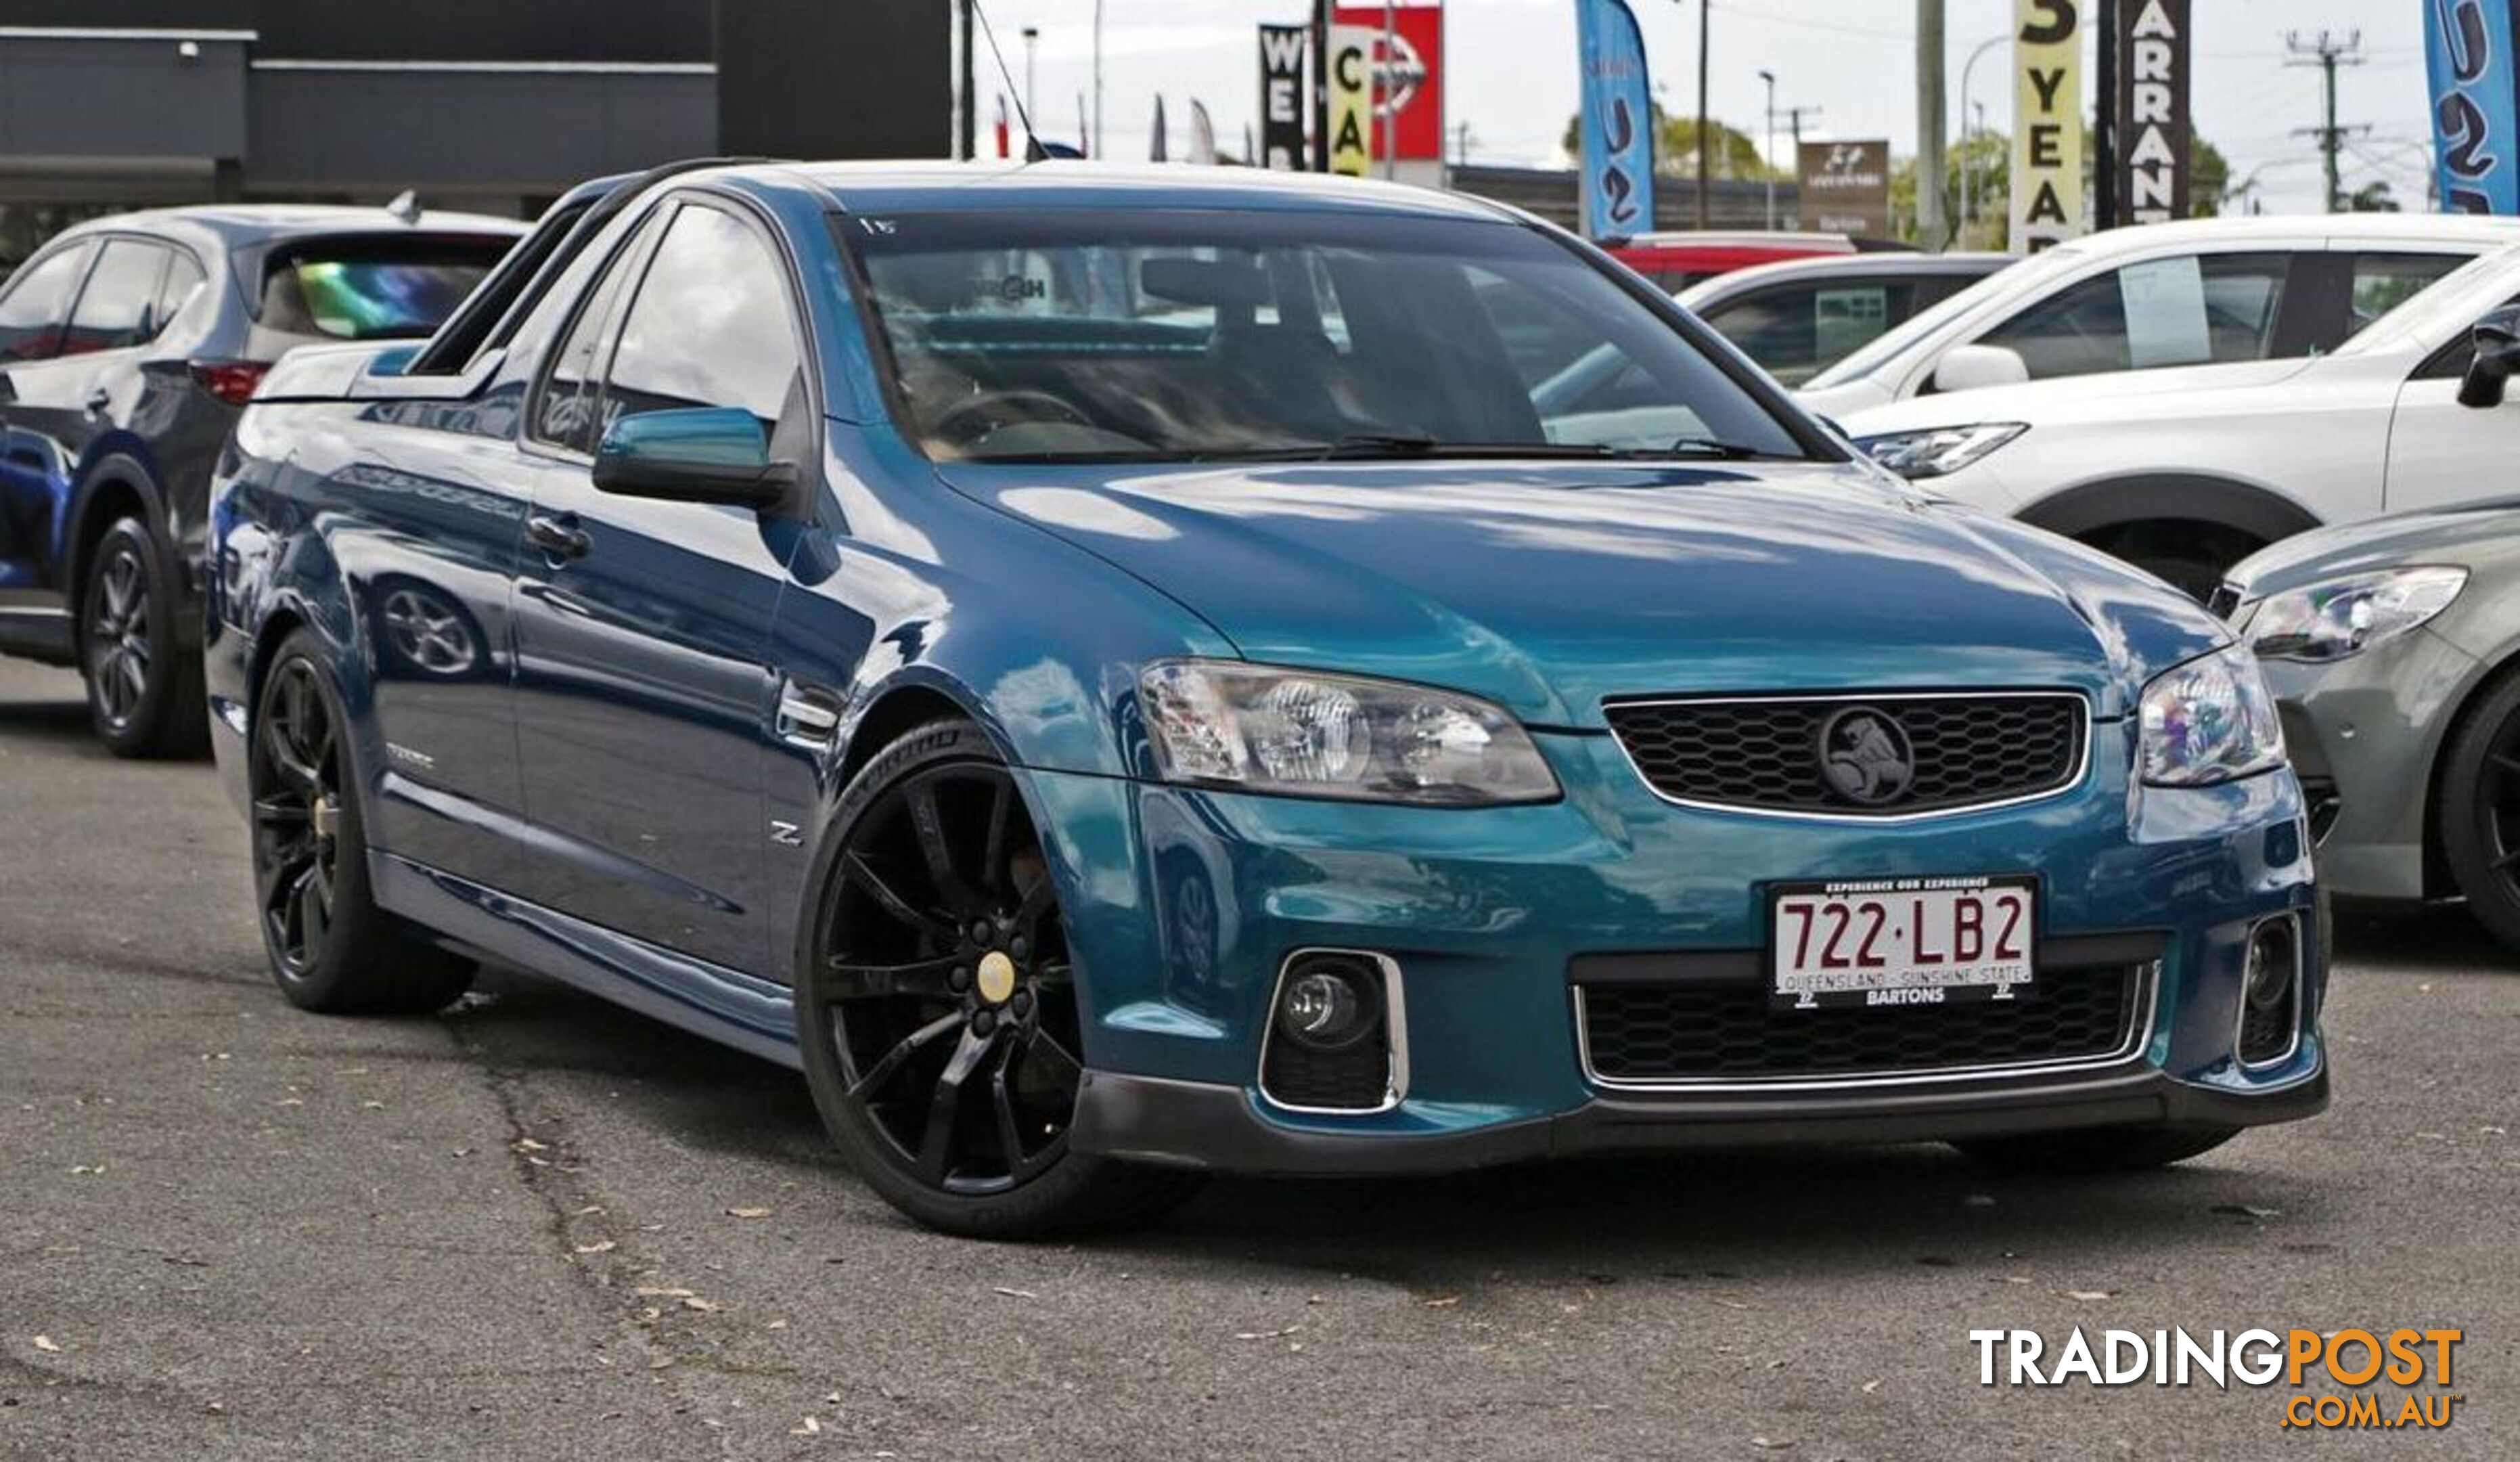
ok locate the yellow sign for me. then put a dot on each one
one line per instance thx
(2047, 123)
(1351, 75)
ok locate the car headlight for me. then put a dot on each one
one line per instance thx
(2341, 617)
(2210, 720)
(1307, 734)
(1938, 452)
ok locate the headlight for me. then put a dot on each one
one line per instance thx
(1296, 732)
(2210, 720)
(2342, 617)
(1941, 452)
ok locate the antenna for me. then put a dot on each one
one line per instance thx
(1034, 152)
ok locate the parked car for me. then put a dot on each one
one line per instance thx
(127, 347)
(1798, 317)
(2187, 469)
(2223, 291)
(1680, 259)
(1115, 676)
(2394, 649)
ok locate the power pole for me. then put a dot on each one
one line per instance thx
(1932, 229)
(1767, 160)
(2104, 118)
(2327, 53)
(1704, 8)
(1795, 128)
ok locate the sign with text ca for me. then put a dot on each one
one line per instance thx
(2047, 123)
(2476, 119)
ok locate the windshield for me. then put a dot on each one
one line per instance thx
(1068, 334)
(1894, 344)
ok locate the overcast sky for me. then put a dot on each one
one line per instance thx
(1511, 74)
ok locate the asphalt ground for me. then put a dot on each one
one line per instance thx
(538, 1227)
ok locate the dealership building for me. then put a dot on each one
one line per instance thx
(497, 105)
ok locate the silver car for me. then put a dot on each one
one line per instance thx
(2393, 646)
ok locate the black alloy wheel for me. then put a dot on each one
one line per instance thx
(297, 817)
(2478, 813)
(331, 947)
(143, 690)
(937, 1006)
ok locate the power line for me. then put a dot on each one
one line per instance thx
(2327, 53)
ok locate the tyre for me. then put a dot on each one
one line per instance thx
(144, 686)
(937, 1010)
(2189, 557)
(2478, 811)
(331, 947)
(2097, 1149)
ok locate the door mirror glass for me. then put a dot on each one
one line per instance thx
(1970, 367)
(707, 454)
(2496, 338)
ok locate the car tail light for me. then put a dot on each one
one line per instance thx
(231, 380)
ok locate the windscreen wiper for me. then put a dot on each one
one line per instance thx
(1729, 451)
(1365, 446)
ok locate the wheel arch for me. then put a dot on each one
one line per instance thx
(2493, 675)
(115, 485)
(2089, 508)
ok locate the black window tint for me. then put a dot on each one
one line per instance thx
(2384, 281)
(709, 326)
(118, 306)
(2184, 310)
(570, 412)
(37, 306)
(184, 280)
(1798, 331)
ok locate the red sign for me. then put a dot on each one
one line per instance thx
(1414, 73)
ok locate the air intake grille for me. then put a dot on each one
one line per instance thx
(1656, 1032)
(1897, 755)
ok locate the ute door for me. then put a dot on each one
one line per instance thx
(643, 692)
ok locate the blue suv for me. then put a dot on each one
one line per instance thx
(1124, 674)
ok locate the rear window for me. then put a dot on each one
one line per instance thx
(372, 290)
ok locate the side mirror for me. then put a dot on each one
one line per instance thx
(707, 454)
(2497, 354)
(1970, 367)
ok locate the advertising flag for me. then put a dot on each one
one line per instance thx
(2476, 118)
(2153, 120)
(1202, 134)
(2047, 123)
(1617, 123)
(1282, 95)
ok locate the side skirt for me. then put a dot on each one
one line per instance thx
(728, 1006)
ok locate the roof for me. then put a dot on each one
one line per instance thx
(2474, 227)
(875, 187)
(1827, 266)
(247, 222)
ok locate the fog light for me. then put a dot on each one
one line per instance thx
(2272, 961)
(1328, 1005)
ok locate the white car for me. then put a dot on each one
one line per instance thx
(2186, 470)
(2226, 290)
(1798, 317)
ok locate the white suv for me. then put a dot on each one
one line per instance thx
(2208, 290)
(2187, 469)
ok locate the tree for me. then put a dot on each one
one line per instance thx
(1733, 156)
(2372, 197)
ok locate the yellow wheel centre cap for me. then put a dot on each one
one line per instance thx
(997, 977)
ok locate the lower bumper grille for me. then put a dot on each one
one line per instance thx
(1648, 1034)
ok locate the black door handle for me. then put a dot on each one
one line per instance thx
(98, 399)
(558, 535)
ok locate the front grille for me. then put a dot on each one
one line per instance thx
(1702, 1032)
(1767, 754)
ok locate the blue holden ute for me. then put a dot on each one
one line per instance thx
(1119, 675)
